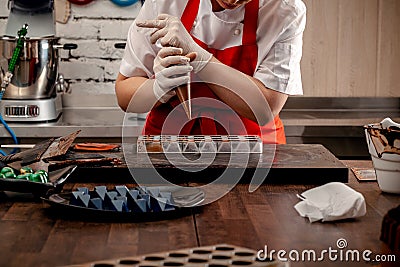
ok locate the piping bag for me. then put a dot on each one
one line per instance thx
(183, 92)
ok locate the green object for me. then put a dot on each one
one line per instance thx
(2, 176)
(23, 176)
(43, 172)
(36, 177)
(44, 179)
(10, 175)
(17, 51)
(25, 170)
(44, 175)
(6, 170)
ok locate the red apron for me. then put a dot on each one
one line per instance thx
(211, 116)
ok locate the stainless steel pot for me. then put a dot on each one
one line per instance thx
(36, 73)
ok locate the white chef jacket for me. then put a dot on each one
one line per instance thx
(280, 30)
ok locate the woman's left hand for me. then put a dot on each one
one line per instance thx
(171, 32)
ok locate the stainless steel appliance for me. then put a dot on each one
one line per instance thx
(34, 93)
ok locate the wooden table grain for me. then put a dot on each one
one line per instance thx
(32, 236)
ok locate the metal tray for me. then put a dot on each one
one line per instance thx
(220, 255)
(57, 179)
(186, 203)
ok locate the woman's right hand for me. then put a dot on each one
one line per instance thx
(171, 69)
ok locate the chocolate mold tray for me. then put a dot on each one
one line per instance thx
(199, 144)
(121, 202)
(210, 256)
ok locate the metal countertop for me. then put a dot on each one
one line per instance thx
(100, 117)
(94, 122)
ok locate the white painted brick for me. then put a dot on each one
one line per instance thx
(93, 49)
(84, 69)
(112, 70)
(114, 29)
(93, 88)
(79, 29)
(3, 8)
(105, 9)
(3, 23)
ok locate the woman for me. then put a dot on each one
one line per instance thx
(246, 52)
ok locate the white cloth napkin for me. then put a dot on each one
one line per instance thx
(330, 202)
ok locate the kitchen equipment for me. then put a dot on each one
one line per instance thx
(96, 147)
(127, 203)
(383, 141)
(221, 255)
(199, 144)
(183, 93)
(37, 14)
(33, 93)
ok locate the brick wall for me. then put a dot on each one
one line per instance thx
(95, 28)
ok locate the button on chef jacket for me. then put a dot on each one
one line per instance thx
(279, 39)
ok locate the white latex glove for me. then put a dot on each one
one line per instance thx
(171, 32)
(171, 69)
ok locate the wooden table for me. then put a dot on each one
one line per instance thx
(29, 236)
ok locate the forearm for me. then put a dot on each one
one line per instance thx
(246, 95)
(138, 90)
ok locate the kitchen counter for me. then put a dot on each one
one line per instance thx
(98, 117)
(334, 122)
(32, 235)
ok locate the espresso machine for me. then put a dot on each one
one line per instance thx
(34, 92)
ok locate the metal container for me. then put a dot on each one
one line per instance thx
(36, 73)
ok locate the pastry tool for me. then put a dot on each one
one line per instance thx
(95, 147)
(183, 93)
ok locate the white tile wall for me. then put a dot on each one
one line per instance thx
(95, 28)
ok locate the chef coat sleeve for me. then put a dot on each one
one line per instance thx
(279, 69)
(139, 53)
